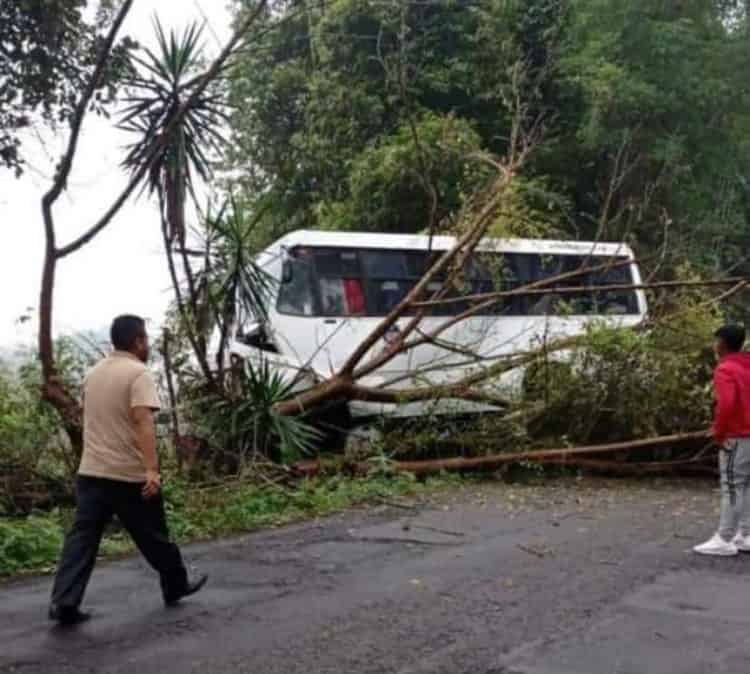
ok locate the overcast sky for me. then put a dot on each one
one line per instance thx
(123, 270)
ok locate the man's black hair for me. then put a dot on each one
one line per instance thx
(125, 330)
(733, 336)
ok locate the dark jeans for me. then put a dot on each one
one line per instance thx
(145, 521)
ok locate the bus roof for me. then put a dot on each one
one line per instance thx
(338, 239)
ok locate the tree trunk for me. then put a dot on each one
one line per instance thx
(169, 374)
(53, 389)
(558, 457)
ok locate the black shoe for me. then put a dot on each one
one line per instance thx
(68, 615)
(190, 588)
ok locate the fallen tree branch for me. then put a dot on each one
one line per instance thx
(695, 440)
(548, 455)
(458, 392)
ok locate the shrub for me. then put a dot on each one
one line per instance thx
(34, 542)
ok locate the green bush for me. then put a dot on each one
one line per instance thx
(31, 543)
(626, 384)
(34, 543)
(241, 424)
(35, 458)
(236, 506)
(26, 424)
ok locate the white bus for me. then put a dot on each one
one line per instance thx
(331, 289)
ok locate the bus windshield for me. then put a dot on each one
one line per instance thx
(340, 282)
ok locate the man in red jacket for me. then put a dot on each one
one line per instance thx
(731, 431)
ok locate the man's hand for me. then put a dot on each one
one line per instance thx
(153, 484)
(145, 437)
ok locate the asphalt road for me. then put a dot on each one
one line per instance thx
(576, 576)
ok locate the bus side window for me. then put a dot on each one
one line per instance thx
(496, 272)
(614, 302)
(528, 270)
(390, 275)
(296, 295)
(541, 267)
(577, 304)
(340, 282)
(342, 297)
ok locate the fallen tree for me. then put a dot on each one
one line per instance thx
(570, 456)
(351, 379)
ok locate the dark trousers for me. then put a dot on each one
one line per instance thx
(144, 520)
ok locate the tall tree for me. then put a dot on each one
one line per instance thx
(330, 112)
(47, 51)
(653, 97)
(646, 137)
(148, 157)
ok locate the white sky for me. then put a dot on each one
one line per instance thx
(123, 270)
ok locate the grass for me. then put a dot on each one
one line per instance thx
(33, 544)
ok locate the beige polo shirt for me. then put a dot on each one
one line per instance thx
(111, 389)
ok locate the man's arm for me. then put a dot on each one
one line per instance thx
(726, 399)
(145, 437)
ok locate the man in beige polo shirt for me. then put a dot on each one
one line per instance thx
(119, 475)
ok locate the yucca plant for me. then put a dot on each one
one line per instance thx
(236, 287)
(177, 143)
(246, 424)
(179, 134)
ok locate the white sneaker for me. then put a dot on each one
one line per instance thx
(716, 545)
(742, 543)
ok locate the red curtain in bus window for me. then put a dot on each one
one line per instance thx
(355, 298)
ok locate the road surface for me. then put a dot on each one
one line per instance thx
(574, 576)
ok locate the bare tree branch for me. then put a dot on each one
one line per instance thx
(51, 196)
(79, 113)
(402, 396)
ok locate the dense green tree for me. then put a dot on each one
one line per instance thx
(353, 85)
(47, 51)
(656, 94)
(353, 108)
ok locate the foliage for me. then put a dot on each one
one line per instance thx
(624, 384)
(34, 543)
(327, 110)
(241, 507)
(160, 86)
(31, 543)
(27, 425)
(234, 289)
(386, 190)
(647, 117)
(242, 425)
(531, 210)
(654, 102)
(34, 463)
(47, 50)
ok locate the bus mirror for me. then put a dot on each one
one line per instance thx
(286, 271)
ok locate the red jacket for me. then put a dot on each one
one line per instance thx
(732, 386)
